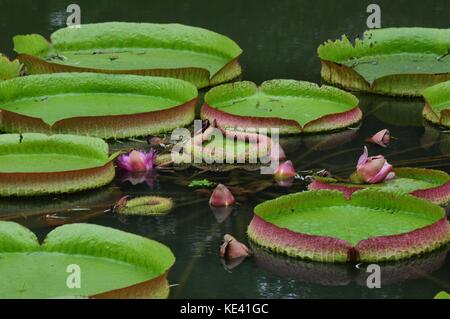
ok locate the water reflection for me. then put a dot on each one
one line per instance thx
(333, 274)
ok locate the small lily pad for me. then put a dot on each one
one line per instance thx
(437, 104)
(144, 206)
(392, 61)
(189, 53)
(292, 106)
(110, 263)
(428, 184)
(371, 226)
(37, 164)
(100, 105)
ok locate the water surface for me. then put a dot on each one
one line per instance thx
(279, 39)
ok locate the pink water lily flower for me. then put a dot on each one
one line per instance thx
(137, 161)
(374, 169)
(382, 138)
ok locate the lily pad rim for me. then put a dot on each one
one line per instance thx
(212, 77)
(294, 126)
(358, 193)
(108, 158)
(398, 170)
(86, 76)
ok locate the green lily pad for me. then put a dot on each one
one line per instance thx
(194, 54)
(442, 295)
(370, 226)
(144, 206)
(428, 184)
(101, 105)
(37, 164)
(392, 61)
(9, 69)
(112, 263)
(437, 104)
(292, 106)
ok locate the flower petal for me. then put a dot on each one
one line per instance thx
(363, 158)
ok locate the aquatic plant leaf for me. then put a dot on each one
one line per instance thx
(370, 226)
(194, 54)
(33, 44)
(113, 263)
(293, 106)
(428, 184)
(9, 69)
(392, 61)
(201, 183)
(437, 104)
(442, 295)
(144, 205)
(94, 104)
(38, 164)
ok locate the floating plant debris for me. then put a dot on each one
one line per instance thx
(189, 53)
(371, 226)
(201, 183)
(392, 61)
(437, 104)
(37, 164)
(143, 206)
(428, 184)
(100, 105)
(113, 263)
(292, 106)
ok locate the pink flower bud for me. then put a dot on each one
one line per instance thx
(221, 196)
(285, 171)
(382, 138)
(231, 248)
(374, 169)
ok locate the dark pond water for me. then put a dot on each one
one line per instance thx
(280, 40)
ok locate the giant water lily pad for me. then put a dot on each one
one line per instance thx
(428, 184)
(193, 54)
(437, 104)
(37, 164)
(371, 226)
(112, 263)
(292, 106)
(393, 61)
(101, 105)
